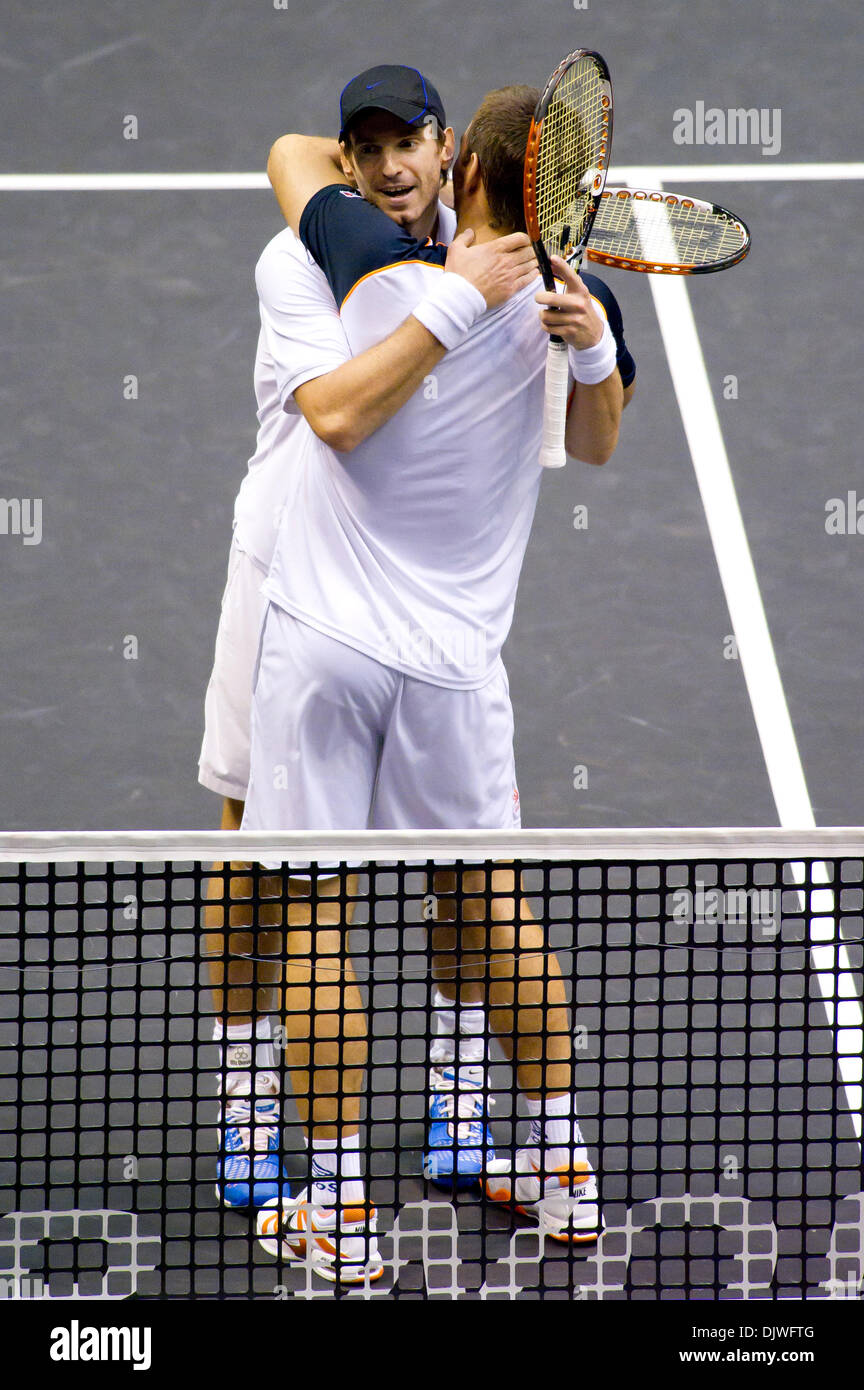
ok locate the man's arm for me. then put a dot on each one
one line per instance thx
(346, 405)
(299, 166)
(594, 413)
(593, 420)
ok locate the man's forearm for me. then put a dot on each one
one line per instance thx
(298, 166)
(348, 404)
(594, 419)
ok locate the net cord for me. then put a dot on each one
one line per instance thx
(644, 844)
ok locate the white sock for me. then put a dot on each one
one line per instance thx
(336, 1172)
(555, 1130)
(240, 1058)
(472, 1040)
(262, 1028)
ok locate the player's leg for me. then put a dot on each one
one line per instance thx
(314, 695)
(459, 1144)
(526, 1000)
(549, 1178)
(246, 984)
(448, 762)
(235, 1003)
(458, 1000)
(249, 1172)
(324, 1022)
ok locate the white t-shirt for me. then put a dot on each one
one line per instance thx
(291, 288)
(301, 337)
(410, 547)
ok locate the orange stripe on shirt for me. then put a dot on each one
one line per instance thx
(381, 269)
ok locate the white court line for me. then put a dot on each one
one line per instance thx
(758, 661)
(118, 183)
(635, 174)
(768, 172)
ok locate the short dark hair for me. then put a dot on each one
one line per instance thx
(498, 135)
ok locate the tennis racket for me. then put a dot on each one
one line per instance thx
(665, 233)
(565, 172)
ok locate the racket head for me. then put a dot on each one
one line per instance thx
(663, 233)
(567, 158)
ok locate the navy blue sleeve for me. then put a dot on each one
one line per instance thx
(350, 238)
(601, 291)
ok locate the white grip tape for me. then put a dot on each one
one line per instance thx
(552, 451)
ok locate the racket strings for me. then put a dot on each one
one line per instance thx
(665, 233)
(573, 147)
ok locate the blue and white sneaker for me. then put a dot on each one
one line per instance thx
(249, 1171)
(459, 1144)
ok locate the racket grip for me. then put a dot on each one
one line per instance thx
(552, 451)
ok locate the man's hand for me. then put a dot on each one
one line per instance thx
(498, 269)
(574, 317)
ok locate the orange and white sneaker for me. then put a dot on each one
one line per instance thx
(339, 1243)
(565, 1205)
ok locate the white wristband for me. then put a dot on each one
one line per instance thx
(594, 364)
(451, 309)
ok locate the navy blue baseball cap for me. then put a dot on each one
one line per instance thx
(404, 92)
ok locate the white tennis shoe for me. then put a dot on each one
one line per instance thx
(339, 1243)
(564, 1204)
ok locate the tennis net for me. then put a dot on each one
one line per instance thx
(712, 984)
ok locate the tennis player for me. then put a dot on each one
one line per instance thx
(303, 364)
(390, 594)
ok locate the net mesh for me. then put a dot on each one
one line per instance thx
(713, 1022)
(574, 147)
(664, 230)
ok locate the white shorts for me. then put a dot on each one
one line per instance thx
(223, 765)
(342, 742)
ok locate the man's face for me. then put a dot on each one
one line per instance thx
(397, 166)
